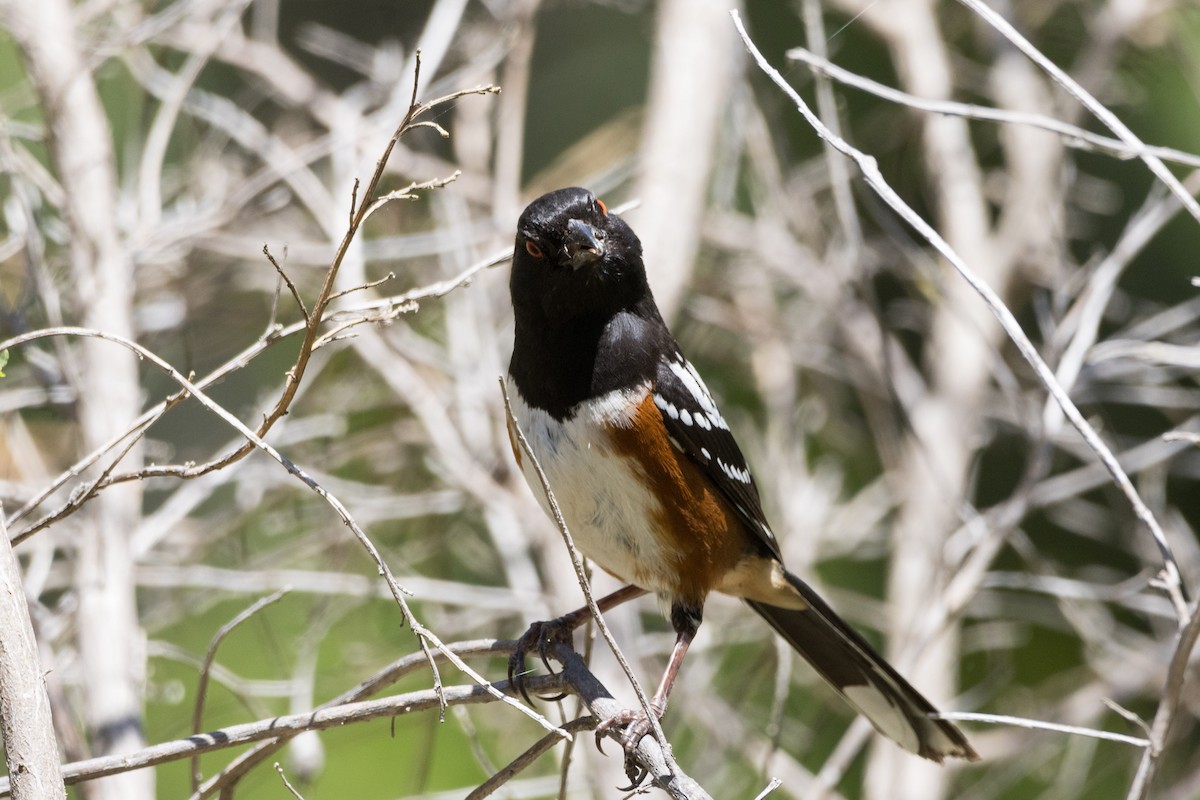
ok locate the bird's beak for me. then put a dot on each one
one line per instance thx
(583, 246)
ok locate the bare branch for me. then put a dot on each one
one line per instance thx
(289, 726)
(1168, 705)
(1072, 135)
(26, 729)
(1110, 120)
(575, 677)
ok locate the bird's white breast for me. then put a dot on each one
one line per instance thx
(602, 494)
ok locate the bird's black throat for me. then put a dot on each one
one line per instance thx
(557, 365)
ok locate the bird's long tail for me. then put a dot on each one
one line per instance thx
(860, 675)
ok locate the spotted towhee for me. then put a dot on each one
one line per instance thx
(650, 481)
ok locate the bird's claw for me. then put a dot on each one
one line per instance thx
(540, 638)
(634, 725)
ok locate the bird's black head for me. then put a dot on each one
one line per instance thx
(573, 259)
(585, 320)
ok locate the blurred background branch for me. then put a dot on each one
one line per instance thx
(909, 457)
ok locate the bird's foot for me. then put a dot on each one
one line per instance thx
(634, 725)
(540, 638)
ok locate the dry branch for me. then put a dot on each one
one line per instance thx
(574, 677)
(288, 726)
(1072, 135)
(26, 729)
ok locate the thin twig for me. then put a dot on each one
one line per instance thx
(287, 784)
(518, 764)
(1037, 724)
(407, 192)
(1110, 120)
(1072, 135)
(287, 282)
(774, 784)
(209, 656)
(391, 276)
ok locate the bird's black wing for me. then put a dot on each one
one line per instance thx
(696, 428)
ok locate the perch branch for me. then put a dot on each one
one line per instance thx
(580, 572)
(289, 725)
(273, 733)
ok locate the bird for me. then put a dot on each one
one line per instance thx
(648, 477)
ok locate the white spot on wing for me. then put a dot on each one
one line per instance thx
(686, 416)
(740, 474)
(666, 406)
(691, 380)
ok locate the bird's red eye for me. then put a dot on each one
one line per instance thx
(532, 248)
(603, 208)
